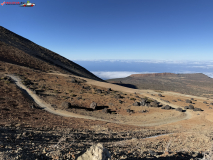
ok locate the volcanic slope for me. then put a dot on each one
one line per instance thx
(196, 84)
(19, 50)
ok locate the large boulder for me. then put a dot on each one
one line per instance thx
(66, 105)
(96, 152)
(93, 105)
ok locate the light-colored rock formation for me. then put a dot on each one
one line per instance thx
(96, 152)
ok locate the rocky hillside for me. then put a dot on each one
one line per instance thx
(19, 50)
(193, 84)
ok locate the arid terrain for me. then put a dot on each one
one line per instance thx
(49, 112)
(196, 84)
(28, 130)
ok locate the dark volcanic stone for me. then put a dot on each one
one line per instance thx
(154, 104)
(130, 111)
(118, 96)
(73, 80)
(105, 110)
(99, 91)
(167, 107)
(66, 105)
(188, 101)
(197, 109)
(160, 95)
(109, 89)
(136, 104)
(205, 102)
(186, 107)
(179, 109)
(191, 106)
(93, 105)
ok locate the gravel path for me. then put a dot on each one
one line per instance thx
(47, 107)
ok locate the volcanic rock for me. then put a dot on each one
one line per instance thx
(96, 152)
(93, 105)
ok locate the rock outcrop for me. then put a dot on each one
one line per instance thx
(96, 152)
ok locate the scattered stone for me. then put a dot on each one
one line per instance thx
(205, 102)
(99, 91)
(66, 105)
(93, 105)
(174, 101)
(179, 100)
(188, 101)
(136, 104)
(118, 96)
(179, 109)
(96, 152)
(167, 101)
(167, 107)
(211, 104)
(154, 104)
(109, 89)
(192, 98)
(105, 110)
(210, 107)
(78, 98)
(191, 106)
(73, 80)
(160, 95)
(197, 109)
(143, 111)
(143, 101)
(152, 153)
(186, 107)
(129, 111)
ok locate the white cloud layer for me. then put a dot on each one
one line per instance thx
(115, 74)
(122, 74)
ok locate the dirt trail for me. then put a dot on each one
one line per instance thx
(49, 108)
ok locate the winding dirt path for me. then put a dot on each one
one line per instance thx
(49, 108)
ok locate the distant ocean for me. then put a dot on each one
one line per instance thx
(109, 69)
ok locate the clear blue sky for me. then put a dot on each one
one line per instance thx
(117, 29)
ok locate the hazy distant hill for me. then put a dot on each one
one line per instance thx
(194, 84)
(19, 50)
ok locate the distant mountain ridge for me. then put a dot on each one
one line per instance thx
(152, 75)
(197, 84)
(19, 50)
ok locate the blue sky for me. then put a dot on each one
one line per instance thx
(117, 29)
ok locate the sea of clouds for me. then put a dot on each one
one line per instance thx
(110, 69)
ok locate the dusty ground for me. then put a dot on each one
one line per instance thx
(21, 124)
